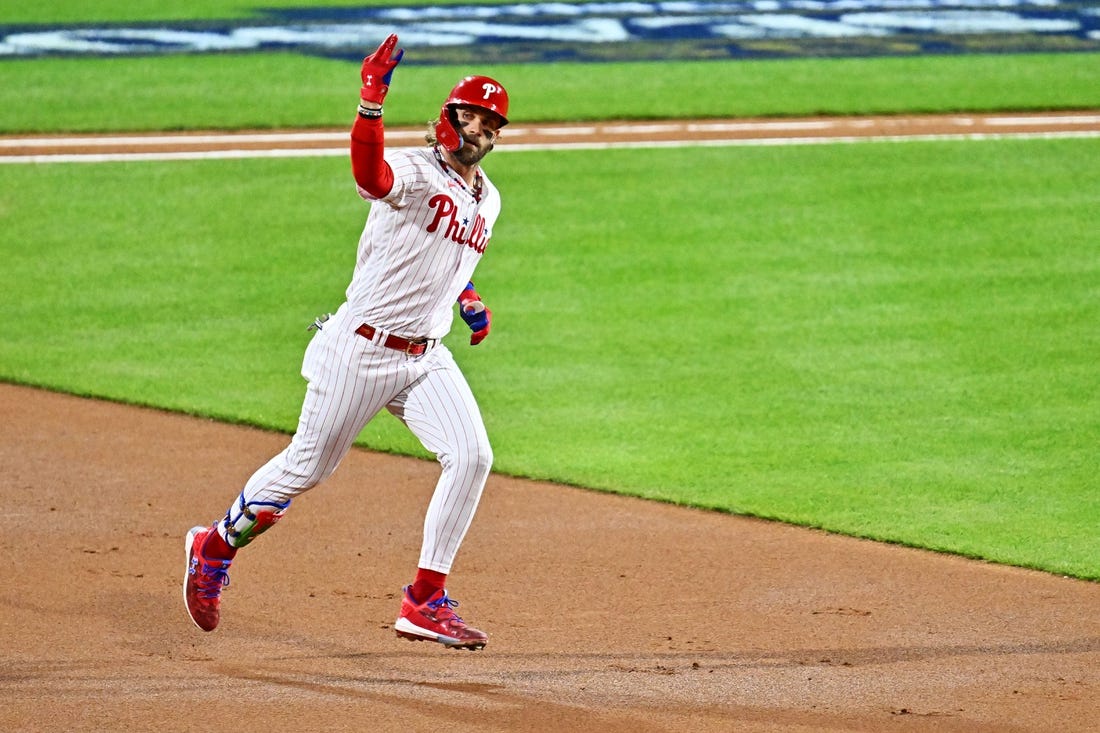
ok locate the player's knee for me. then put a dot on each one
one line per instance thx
(480, 459)
(473, 459)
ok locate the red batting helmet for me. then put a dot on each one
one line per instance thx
(473, 91)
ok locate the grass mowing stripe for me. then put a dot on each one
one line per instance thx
(818, 335)
(221, 91)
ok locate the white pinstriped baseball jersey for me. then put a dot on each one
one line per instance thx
(418, 250)
(420, 245)
(382, 350)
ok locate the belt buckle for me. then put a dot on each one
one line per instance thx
(414, 344)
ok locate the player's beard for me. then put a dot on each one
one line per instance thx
(472, 151)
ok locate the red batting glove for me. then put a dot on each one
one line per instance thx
(377, 70)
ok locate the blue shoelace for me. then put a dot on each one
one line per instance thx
(444, 601)
(212, 577)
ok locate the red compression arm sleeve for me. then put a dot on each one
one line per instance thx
(368, 164)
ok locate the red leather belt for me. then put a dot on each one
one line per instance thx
(411, 347)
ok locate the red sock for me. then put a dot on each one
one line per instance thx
(217, 547)
(427, 584)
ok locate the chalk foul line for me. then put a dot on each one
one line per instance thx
(579, 136)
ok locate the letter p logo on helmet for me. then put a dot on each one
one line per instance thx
(472, 91)
(480, 91)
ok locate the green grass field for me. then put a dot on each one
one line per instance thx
(286, 90)
(895, 341)
(807, 342)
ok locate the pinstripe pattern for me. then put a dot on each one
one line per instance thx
(406, 279)
(350, 381)
(418, 250)
(440, 410)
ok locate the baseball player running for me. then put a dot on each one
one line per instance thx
(432, 215)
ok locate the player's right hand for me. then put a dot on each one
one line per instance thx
(377, 70)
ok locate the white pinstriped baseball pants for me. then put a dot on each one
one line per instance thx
(352, 379)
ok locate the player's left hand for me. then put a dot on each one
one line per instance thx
(377, 70)
(478, 318)
(474, 312)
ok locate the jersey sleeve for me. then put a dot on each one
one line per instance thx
(410, 176)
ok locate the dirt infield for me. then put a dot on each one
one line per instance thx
(47, 148)
(605, 613)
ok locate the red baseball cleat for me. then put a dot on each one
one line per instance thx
(202, 584)
(435, 620)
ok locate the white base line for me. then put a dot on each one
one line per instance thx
(1050, 120)
(342, 137)
(822, 140)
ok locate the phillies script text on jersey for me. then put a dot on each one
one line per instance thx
(444, 206)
